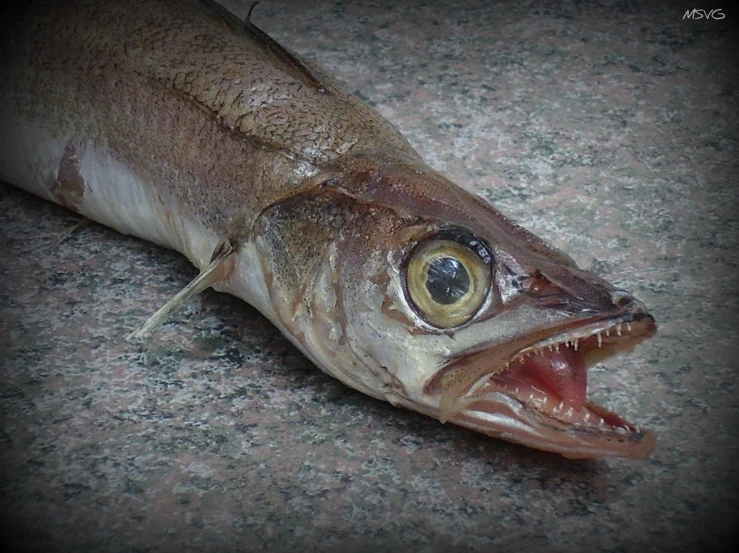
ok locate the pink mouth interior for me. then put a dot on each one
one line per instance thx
(556, 382)
(550, 383)
(562, 373)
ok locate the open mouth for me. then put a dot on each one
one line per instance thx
(536, 393)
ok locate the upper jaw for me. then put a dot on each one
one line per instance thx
(510, 399)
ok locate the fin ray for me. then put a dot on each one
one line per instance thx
(220, 268)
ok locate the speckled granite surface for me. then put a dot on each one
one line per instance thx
(609, 128)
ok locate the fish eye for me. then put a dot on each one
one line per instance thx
(448, 277)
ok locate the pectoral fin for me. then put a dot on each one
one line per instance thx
(220, 268)
(71, 230)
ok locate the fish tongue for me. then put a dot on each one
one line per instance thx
(562, 372)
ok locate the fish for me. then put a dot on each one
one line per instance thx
(179, 123)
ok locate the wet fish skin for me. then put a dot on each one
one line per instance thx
(176, 122)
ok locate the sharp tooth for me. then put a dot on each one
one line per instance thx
(516, 391)
(575, 344)
(628, 327)
(586, 418)
(557, 346)
(559, 407)
(570, 412)
(618, 329)
(621, 430)
(600, 340)
(608, 331)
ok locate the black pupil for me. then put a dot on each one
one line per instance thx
(447, 280)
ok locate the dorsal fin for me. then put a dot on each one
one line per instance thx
(282, 58)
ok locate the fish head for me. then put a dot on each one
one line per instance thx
(429, 298)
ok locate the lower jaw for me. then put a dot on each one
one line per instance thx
(502, 416)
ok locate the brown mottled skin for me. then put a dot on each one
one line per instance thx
(165, 65)
(253, 143)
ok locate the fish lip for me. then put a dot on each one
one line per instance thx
(501, 414)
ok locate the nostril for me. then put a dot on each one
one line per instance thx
(621, 298)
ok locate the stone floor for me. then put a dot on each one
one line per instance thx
(609, 128)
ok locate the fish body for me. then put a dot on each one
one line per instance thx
(174, 121)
